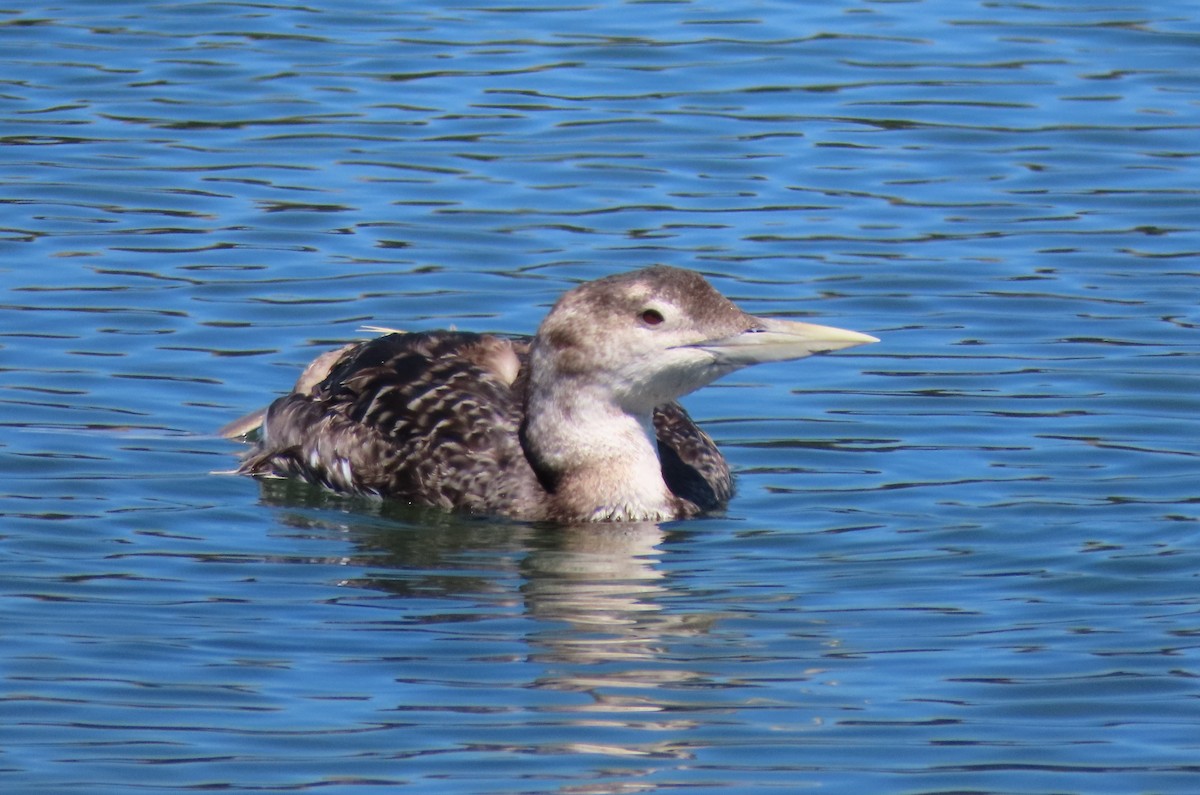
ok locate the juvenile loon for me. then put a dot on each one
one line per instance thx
(578, 423)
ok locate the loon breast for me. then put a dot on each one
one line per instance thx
(578, 423)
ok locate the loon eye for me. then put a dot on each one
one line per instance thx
(651, 317)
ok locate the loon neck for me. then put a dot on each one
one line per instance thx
(599, 461)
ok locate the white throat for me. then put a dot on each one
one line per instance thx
(603, 460)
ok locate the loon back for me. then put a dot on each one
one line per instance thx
(434, 418)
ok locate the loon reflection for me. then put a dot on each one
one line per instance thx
(576, 424)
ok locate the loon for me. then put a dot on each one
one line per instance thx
(577, 424)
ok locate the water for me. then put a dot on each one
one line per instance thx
(962, 560)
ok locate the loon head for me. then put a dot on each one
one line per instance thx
(650, 336)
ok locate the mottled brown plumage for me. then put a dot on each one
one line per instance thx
(557, 427)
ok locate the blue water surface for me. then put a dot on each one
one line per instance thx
(964, 560)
